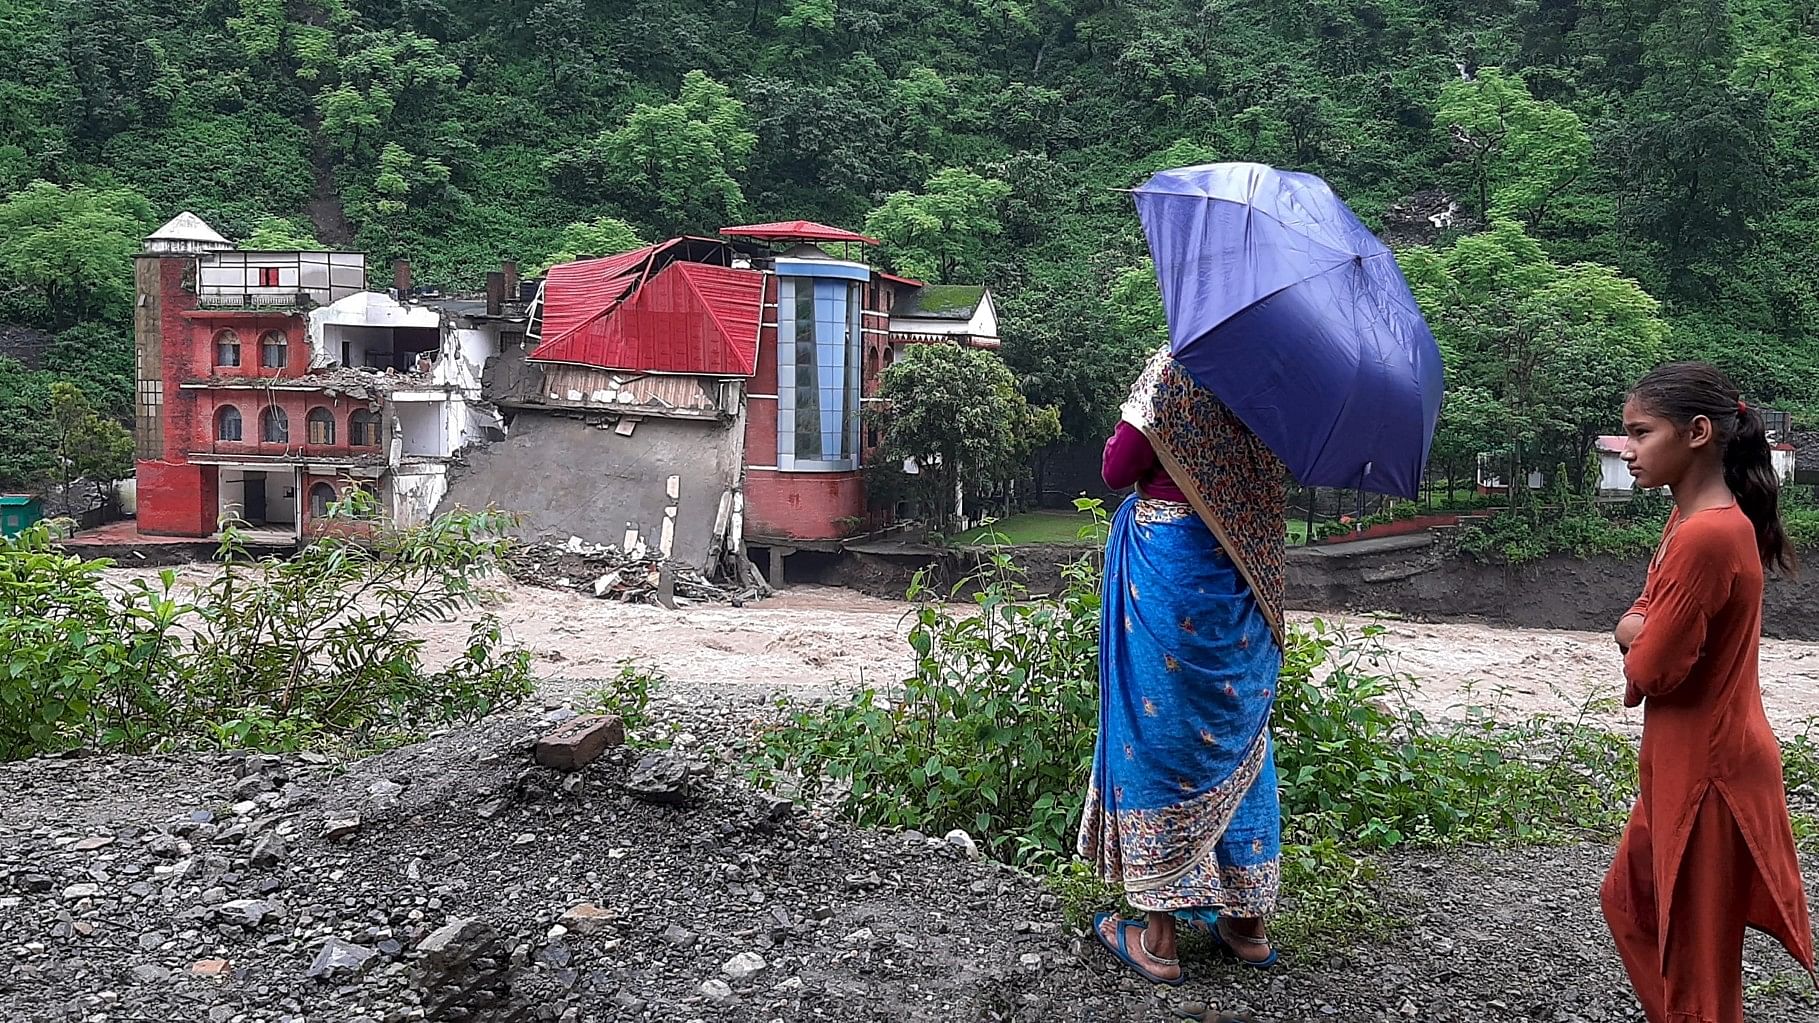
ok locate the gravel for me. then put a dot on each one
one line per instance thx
(148, 889)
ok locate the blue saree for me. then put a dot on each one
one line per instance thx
(1182, 807)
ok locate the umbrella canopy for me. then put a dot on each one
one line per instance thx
(1282, 303)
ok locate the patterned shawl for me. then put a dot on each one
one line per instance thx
(1236, 484)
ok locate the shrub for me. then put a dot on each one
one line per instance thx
(627, 695)
(991, 732)
(272, 653)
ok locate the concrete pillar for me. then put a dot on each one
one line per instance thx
(776, 572)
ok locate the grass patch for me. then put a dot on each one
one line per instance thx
(1044, 528)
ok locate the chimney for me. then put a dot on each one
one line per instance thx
(511, 280)
(401, 277)
(495, 293)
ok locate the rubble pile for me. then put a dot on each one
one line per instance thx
(636, 576)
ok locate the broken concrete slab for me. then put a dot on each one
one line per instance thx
(579, 741)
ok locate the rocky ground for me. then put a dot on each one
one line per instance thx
(455, 880)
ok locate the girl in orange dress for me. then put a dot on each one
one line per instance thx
(1709, 850)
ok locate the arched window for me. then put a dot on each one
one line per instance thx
(275, 426)
(227, 423)
(227, 348)
(320, 497)
(321, 426)
(363, 429)
(273, 346)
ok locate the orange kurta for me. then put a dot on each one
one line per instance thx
(1709, 849)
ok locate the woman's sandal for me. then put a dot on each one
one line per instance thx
(1226, 942)
(1121, 951)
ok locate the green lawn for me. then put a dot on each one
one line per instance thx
(1038, 527)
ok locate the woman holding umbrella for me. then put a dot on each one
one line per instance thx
(1182, 810)
(1296, 347)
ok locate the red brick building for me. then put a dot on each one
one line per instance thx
(270, 383)
(223, 415)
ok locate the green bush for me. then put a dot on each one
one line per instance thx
(271, 654)
(627, 695)
(76, 662)
(991, 732)
(1359, 766)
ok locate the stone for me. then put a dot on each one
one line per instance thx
(744, 967)
(773, 808)
(250, 787)
(339, 959)
(588, 919)
(269, 852)
(556, 955)
(81, 891)
(246, 912)
(660, 778)
(963, 842)
(92, 844)
(341, 827)
(151, 941)
(578, 742)
(717, 992)
(677, 936)
(384, 793)
(146, 973)
(211, 968)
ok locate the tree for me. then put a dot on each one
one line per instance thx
(940, 235)
(1524, 155)
(602, 236)
(68, 251)
(281, 234)
(958, 413)
(1546, 350)
(88, 446)
(679, 161)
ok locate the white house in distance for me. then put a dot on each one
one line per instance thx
(1614, 476)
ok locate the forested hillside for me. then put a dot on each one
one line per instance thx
(1635, 178)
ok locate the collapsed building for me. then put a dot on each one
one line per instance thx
(704, 396)
(268, 383)
(699, 397)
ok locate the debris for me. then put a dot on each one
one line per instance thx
(612, 573)
(578, 742)
(211, 968)
(744, 967)
(588, 919)
(660, 778)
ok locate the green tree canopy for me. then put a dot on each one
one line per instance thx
(67, 252)
(959, 414)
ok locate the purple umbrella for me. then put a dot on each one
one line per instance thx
(1282, 303)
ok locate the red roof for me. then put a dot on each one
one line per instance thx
(691, 318)
(908, 282)
(797, 231)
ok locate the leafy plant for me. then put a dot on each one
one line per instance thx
(627, 695)
(271, 654)
(991, 732)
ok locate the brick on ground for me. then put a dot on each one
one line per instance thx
(579, 741)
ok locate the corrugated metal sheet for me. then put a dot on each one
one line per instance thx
(797, 230)
(575, 294)
(691, 318)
